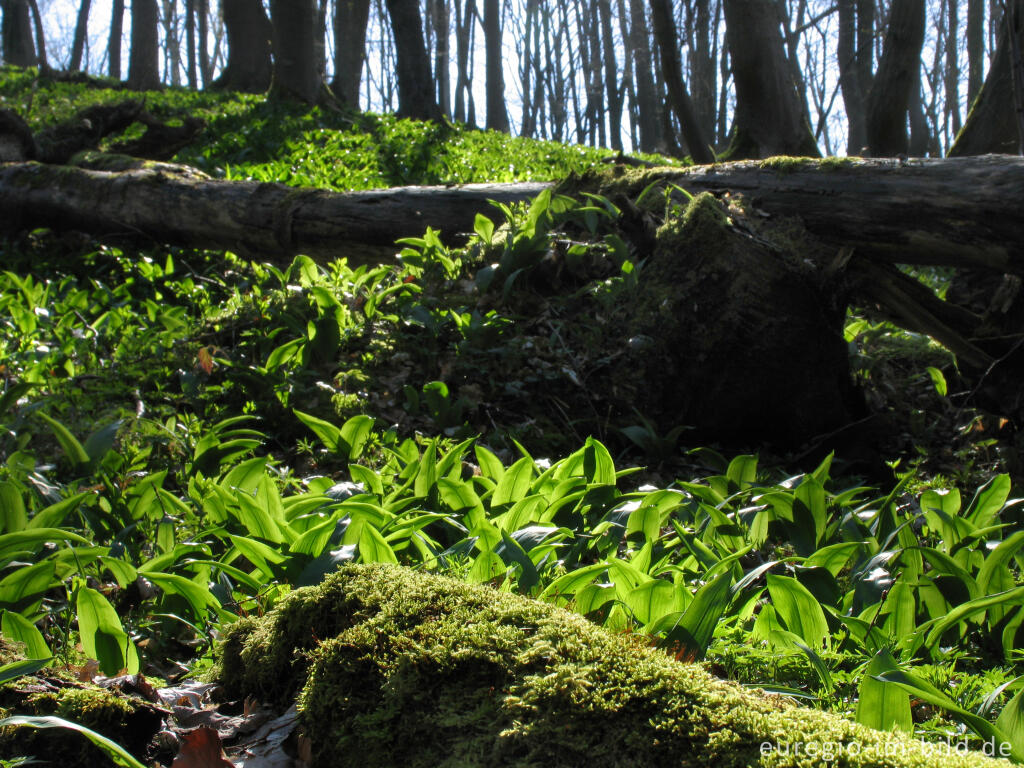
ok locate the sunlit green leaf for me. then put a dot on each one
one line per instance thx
(117, 754)
(103, 638)
(20, 630)
(881, 705)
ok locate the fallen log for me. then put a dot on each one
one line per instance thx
(701, 261)
(269, 220)
(960, 212)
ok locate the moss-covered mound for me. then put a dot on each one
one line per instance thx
(127, 720)
(396, 668)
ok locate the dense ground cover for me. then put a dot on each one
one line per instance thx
(189, 436)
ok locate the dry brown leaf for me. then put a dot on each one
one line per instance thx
(87, 671)
(305, 748)
(201, 748)
(205, 360)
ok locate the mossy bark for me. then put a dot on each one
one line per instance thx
(403, 668)
(129, 721)
(746, 345)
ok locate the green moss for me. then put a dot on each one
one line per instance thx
(785, 164)
(395, 667)
(836, 163)
(700, 227)
(94, 708)
(10, 651)
(128, 721)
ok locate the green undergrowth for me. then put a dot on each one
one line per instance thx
(426, 671)
(188, 437)
(248, 137)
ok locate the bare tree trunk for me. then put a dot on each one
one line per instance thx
(899, 71)
(849, 78)
(205, 64)
(18, 48)
(464, 14)
(920, 137)
(172, 45)
(37, 23)
(81, 30)
(190, 44)
(769, 119)
(442, 56)
(296, 70)
(249, 34)
(144, 57)
(529, 69)
(415, 85)
(1014, 12)
(647, 106)
(627, 93)
(611, 75)
(114, 42)
(665, 31)
(975, 48)
(991, 125)
(702, 69)
(497, 116)
(320, 40)
(951, 79)
(350, 20)
(590, 67)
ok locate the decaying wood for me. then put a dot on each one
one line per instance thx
(962, 212)
(266, 219)
(57, 144)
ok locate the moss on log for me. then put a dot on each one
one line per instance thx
(397, 668)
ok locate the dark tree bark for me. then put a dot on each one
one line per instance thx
(850, 70)
(921, 143)
(961, 212)
(668, 46)
(415, 85)
(114, 42)
(249, 34)
(991, 125)
(18, 48)
(529, 71)
(296, 74)
(702, 69)
(320, 40)
(173, 204)
(899, 72)
(611, 75)
(643, 67)
(172, 43)
(442, 56)
(37, 24)
(205, 65)
(144, 57)
(464, 14)
(350, 20)
(975, 48)
(725, 295)
(769, 119)
(190, 44)
(81, 30)
(497, 116)
(951, 72)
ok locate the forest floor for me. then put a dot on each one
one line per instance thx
(189, 436)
